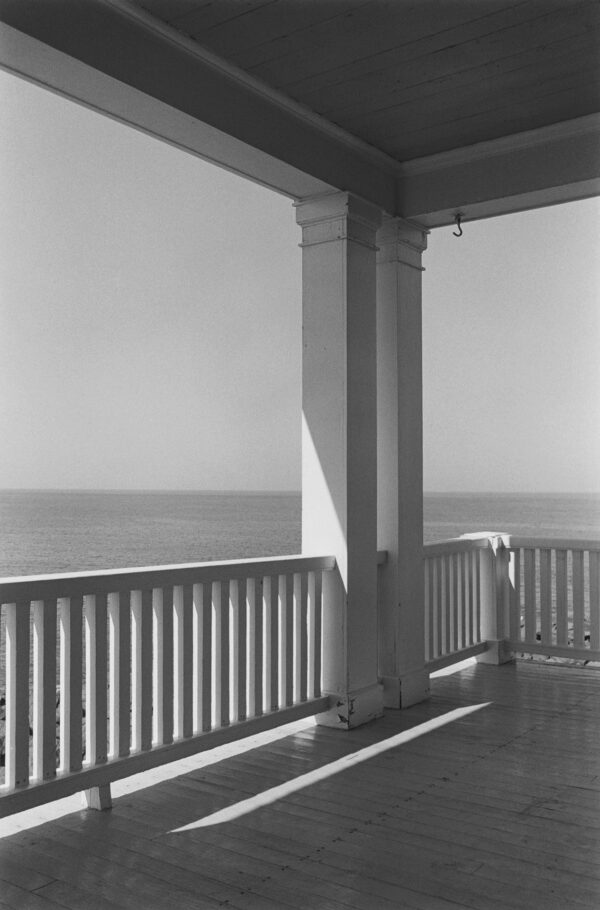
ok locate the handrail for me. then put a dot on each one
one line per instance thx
(512, 542)
(110, 581)
(455, 545)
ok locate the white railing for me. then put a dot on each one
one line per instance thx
(554, 597)
(506, 594)
(456, 572)
(152, 665)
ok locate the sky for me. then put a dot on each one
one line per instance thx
(150, 316)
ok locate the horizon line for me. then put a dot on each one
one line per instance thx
(280, 492)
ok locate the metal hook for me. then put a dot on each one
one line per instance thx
(457, 220)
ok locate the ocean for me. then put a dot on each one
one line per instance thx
(66, 531)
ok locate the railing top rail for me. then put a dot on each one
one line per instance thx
(510, 541)
(455, 545)
(112, 581)
(514, 542)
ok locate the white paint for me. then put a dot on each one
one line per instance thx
(98, 798)
(400, 463)
(339, 434)
(468, 154)
(494, 593)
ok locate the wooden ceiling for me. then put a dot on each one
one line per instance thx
(411, 77)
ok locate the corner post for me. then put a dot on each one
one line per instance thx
(495, 595)
(339, 446)
(400, 462)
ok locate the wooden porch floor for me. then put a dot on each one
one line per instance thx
(495, 808)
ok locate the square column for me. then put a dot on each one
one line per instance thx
(400, 463)
(339, 441)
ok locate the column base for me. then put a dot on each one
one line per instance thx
(498, 652)
(97, 798)
(406, 690)
(353, 709)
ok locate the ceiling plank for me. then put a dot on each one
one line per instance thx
(264, 24)
(211, 17)
(168, 10)
(476, 128)
(519, 86)
(362, 36)
(475, 59)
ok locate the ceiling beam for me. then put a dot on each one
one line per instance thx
(117, 59)
(546, 166)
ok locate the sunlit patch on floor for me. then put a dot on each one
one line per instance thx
(267, 797)
(454, 668)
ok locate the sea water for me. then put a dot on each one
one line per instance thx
(65, 531)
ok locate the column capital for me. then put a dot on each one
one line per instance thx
(332, 217)
(401, 241)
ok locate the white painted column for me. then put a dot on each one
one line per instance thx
(400, 463)
(339, 441)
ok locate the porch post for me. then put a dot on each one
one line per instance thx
(400, 463)
(495, 601)
(339, 446)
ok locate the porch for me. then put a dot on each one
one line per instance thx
(480, 796)
(485, 796)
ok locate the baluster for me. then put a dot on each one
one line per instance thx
(275, 642)
(241, 650)
(561, 598)
(233, 650)
(439, 605)
(447, 606)
(208, 658)
(256, 660)
(530, 612)
(141, 670)
(594, 570)
(301, 624)
(477, 557)
(162, 609)
(44, 689)
(96, 744)
(546, 597)
(71, 746)
(515, 595)
(427, 615)
(183, 660)
(462, 624)
(17, 694)
(201, 661)
(455, 607)
(119, 636)
(310, 635)
(578, 639)
(318, 633)
(221, 706)
(471, 630)
(288, 628)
